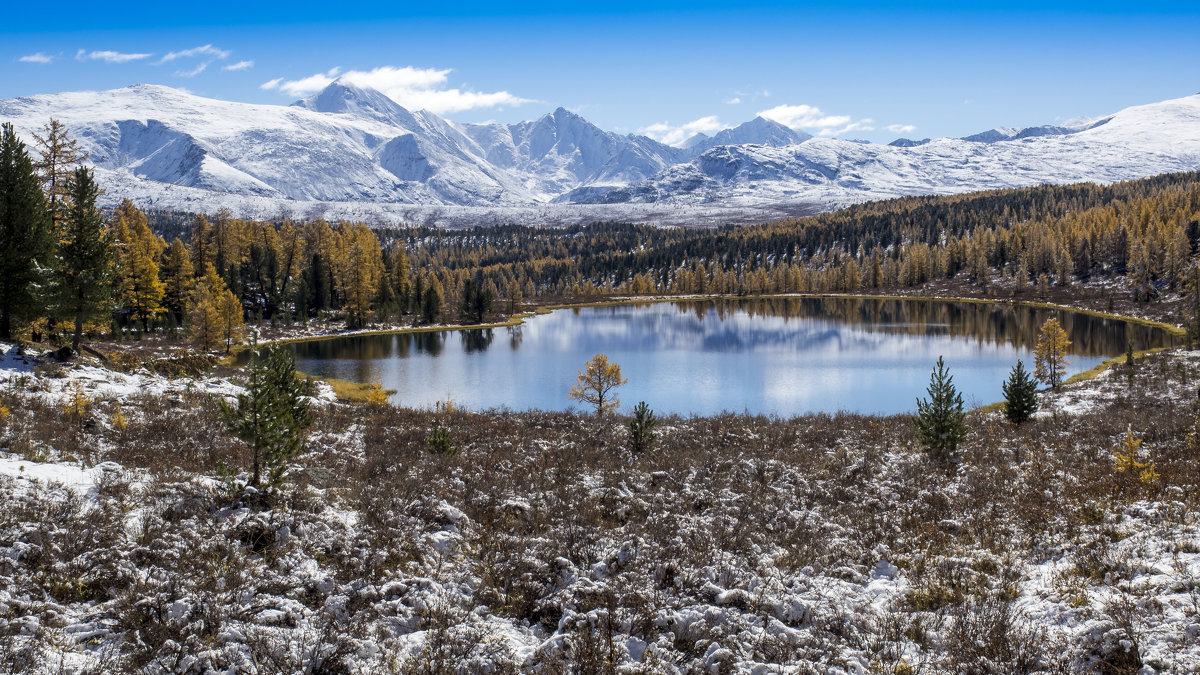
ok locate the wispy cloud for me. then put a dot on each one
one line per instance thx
(271, 84)
(664, 132)
(109, 56)
(240, 65)
(416, 88)
(193, 71)
(202, 50)
(813, 119)
(735, 100)
(39, 57)
(901, 128)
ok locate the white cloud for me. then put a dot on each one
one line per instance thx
(306, 85)
(415, 88)
(271, 84)
(664, 132)
(811, 118)
(194, 71)
(240, 65)
(735, 100)
(860, 125)
(203, 50)
(109, 56)
(901, 128)
(36, 58)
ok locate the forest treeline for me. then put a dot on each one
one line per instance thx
(220, 271)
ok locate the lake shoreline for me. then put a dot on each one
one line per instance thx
(351, 390)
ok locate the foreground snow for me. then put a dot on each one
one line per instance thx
(739, 545)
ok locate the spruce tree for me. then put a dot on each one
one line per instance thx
(1020, 395)
(940, 420)
(25, 234)
(84, 270)
(270, 417)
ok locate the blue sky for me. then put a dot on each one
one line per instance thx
(873, 70)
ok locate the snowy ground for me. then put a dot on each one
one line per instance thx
(740, 544)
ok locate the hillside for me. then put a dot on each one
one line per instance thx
(350, 152)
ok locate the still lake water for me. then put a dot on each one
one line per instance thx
(774, 356)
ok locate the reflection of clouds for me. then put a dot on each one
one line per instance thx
(811, 356)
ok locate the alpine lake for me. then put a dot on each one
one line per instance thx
(768, 356)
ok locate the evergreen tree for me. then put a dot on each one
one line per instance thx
(940, 420)
(475, 302)
(641, 428)
(431, 303)
(271, 416)
(84, 271)
(1050, 353)
(1020, 395)
(26, 241)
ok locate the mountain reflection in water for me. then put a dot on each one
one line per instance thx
(780, 356)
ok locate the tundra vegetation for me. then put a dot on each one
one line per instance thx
(392, 539)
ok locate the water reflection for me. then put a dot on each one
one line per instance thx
(783, 356)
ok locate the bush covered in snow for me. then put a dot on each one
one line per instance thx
(736, 544)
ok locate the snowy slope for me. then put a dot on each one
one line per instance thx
(1136, 142)
(349, 152)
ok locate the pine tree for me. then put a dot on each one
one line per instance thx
(940, 420)
(84, 270)
(641, 428)
(271, 416)
(26, 242)
(431, 303)
(1020, 395)
(1050, 353)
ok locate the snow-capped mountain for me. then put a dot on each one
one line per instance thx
(758, 131)
(350, 152)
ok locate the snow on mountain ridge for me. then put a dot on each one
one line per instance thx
(357, 149)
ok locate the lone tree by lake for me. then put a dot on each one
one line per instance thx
(940, 420)
(595, 385)
(1050, 353)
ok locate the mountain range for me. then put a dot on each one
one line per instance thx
(352, 152)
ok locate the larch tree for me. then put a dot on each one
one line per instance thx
(596, 384)
(178, 278)
(359, 263)
(60, 156)
(26, 241)
(84, 269)
(204, 319)
(140, 291)
(940, 420)
(1050, 353)
(214, 314)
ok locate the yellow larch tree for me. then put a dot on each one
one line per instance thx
(139, 289)
(1050, 353)
(595, 385)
